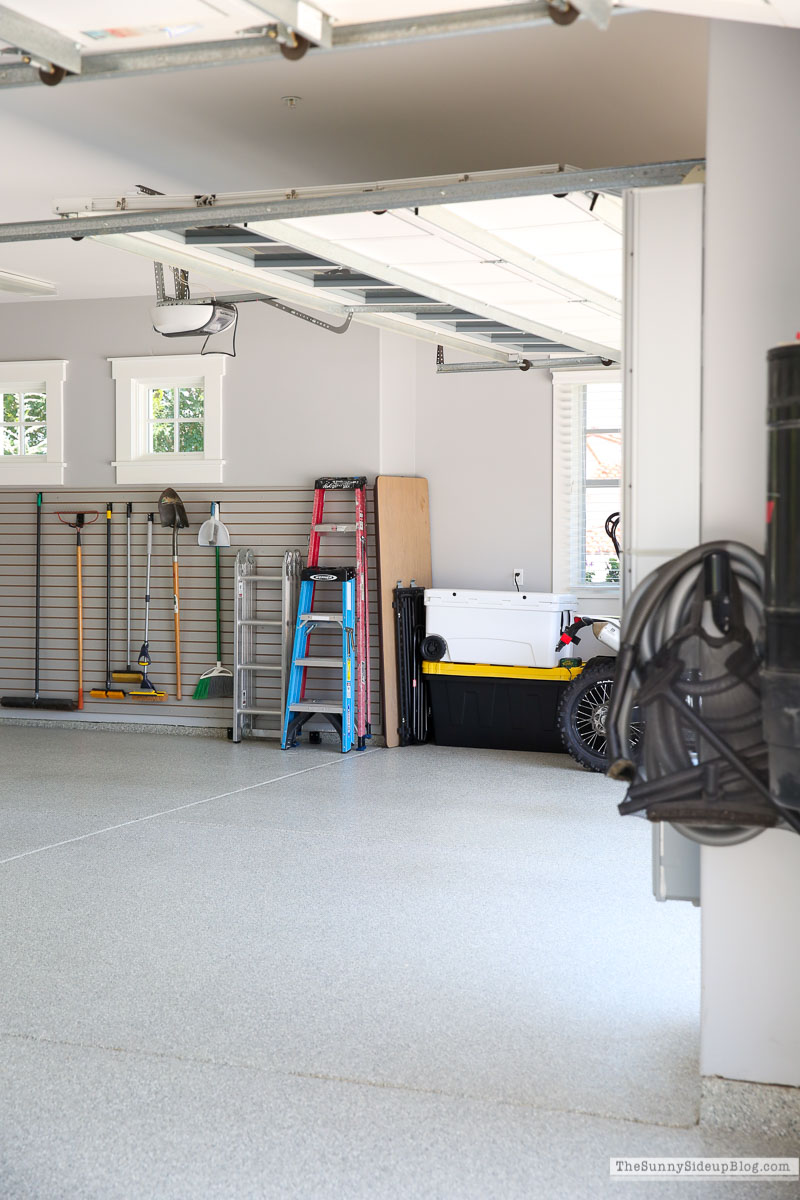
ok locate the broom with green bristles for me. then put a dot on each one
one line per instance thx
(218, 682)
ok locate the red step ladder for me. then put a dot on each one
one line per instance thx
(358, 485)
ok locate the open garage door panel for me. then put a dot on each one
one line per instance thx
(534, 277)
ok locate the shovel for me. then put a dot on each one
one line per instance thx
(173, 516)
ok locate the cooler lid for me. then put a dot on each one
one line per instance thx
(533, 601)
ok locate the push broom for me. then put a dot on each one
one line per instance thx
(218, 681)
(37, 701)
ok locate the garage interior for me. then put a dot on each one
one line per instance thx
(501, 272)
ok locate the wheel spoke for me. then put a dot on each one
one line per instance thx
(589, 716)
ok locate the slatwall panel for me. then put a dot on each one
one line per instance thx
(268, 520)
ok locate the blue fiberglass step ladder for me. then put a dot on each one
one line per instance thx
(340, 713)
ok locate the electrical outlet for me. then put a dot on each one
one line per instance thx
(519, 577)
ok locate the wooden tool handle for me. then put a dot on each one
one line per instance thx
(177, 614)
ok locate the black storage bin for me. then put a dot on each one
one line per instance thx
(496, 708)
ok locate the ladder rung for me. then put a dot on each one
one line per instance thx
(331, 618)
(258, 667)
(319, 662)
(335, 528)
(274, 621)
(260, 712)
(321, 706)
(259, 577)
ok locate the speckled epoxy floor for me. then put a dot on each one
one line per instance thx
(232, 972)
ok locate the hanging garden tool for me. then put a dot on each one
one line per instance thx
(82, 519)
(212, 532)
(145, 689)
(219, 680)
(109, 692)
(130, 674)
(173, 516)
(37, 701)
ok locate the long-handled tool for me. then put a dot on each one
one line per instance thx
(109, 692)
(219, 680)
(173, 516)
(130, 674)
(37, 701)
(82, 519)
(145, 689)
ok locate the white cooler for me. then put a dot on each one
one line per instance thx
(515, 629)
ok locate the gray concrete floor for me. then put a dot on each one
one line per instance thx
(231, 972)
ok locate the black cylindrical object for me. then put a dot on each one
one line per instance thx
(781, 673)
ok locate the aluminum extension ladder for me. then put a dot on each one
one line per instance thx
(340, 712)
(264, 607)
(358, 485)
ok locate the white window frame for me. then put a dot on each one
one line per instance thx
(133, 378)
(37, 470)
(568, 490)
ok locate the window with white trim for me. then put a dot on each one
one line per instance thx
(587, 480)
(169, 416)
(32, 422)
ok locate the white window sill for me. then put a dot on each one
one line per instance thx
(30, 471)
(179, 470)
(601, 591)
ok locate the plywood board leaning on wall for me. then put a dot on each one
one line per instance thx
(403, 525)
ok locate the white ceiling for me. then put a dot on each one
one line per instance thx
(477, 103)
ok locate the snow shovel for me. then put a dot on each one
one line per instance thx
(173, 516)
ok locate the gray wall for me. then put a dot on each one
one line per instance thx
(751, 893)
(297, 401)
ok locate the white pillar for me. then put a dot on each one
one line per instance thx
(663, 376)
(751, 893)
